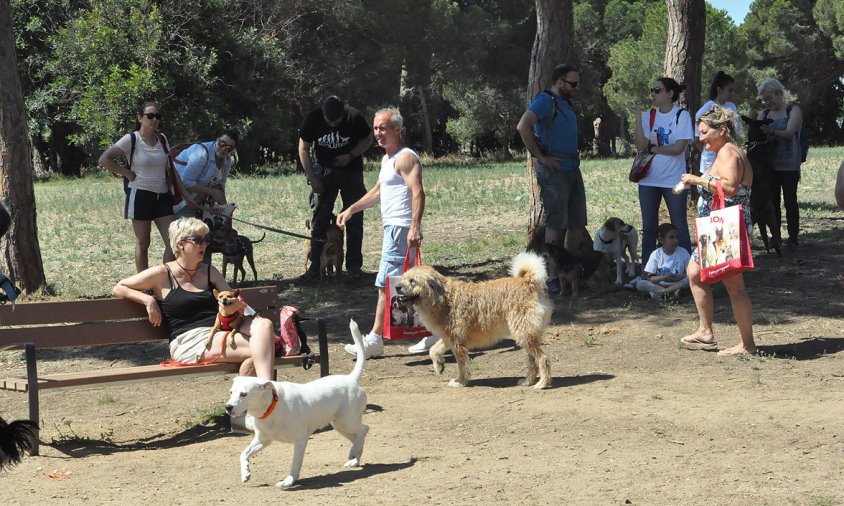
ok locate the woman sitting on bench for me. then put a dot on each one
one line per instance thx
(179, 293)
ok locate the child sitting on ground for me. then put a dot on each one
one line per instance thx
(665, 273)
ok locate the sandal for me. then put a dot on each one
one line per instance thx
(694, 343)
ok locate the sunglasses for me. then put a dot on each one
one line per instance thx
(198, 239)
(573, 84)
(152, 115)
(228, 148)
(656, 90)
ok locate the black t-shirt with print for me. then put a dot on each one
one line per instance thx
(330, 142)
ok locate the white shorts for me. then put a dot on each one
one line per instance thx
(189, 346)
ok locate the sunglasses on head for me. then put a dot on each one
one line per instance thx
(573, 84)
(152, 115)
(656, 90)
(198, 239)
(225, 146)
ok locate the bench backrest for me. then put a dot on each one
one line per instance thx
(93, 322)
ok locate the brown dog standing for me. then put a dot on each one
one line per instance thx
(227, 318)
(331, 260)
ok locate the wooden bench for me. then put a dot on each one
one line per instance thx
(41, 325)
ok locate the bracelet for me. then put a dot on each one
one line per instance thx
(709, 184)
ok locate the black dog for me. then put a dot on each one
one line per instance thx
(16, 438)
(235, 249)
(761, 154)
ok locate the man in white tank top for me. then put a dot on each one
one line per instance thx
(401, 195)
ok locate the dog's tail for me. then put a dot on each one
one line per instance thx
(259, 240)
(361, 358)
(530, 267)
(16, 438)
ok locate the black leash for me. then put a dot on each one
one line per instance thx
(264, 227)
(278, 230)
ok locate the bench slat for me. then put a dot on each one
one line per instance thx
(95, 330)
(137, 373)
(47, 313)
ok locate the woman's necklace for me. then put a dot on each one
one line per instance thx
(190, 272)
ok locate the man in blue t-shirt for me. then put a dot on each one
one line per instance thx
(549, 131)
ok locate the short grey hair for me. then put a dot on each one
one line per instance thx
(395, 116)
(771, 85)
(183, 228)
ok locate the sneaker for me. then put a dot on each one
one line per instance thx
(631, 285)
(309, 275)
(424, 345)
(553, 287)
(373, 346)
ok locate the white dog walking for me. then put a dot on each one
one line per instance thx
(291, 412)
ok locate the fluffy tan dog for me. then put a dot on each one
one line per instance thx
(469, 315)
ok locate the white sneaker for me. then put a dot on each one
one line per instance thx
(424, 345)
(373, 346)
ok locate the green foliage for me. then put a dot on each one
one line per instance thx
(829, 14)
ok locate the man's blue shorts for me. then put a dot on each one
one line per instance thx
(393, 252)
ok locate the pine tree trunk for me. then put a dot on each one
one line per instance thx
(21, 254)
(551, 47)
(684, 62)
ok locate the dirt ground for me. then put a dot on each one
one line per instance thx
(630, 419)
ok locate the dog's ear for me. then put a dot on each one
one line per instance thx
(216, 293)
(767, 121)
(236, 293)
(438, 289)
(266, 385)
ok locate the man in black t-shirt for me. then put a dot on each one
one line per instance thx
(339, 136)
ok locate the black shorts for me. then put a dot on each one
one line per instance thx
(144, 205)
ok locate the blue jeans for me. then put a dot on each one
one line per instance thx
(649, 199)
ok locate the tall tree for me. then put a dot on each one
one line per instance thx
(21, 254)
(684, 47)
(551, 47)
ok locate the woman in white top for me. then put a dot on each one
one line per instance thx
(147, 193)
(667, 137)
(720, 92)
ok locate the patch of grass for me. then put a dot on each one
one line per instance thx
(656, 397)
(591, 340)
(475, 211)
(108, 399)
(204, 416)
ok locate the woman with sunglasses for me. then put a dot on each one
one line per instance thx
(204, 168)
(180, 294)
(667, 137)
(147, 192)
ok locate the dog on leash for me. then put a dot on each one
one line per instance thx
(616, 239)
(573, 269)
(470, 315)
(227, 319)
(236, 248)
(291, 412)
(331, 260)
(16, 439)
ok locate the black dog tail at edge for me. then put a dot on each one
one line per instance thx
(16, 438)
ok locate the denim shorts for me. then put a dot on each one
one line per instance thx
(393, 252)
(563, 196)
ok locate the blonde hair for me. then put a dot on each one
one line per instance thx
(183, 228)
(717, 116)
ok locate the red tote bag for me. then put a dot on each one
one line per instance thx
(400, 320)
(723, 243)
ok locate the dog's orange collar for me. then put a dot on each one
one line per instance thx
(272, 406)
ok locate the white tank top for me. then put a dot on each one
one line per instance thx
(395, 195)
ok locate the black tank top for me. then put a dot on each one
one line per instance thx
(183, 310)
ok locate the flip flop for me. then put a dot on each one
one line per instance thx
(729, 353)
(694, 343)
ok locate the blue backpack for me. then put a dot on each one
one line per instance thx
(802, 137)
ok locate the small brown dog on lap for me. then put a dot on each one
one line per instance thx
(228, 320)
